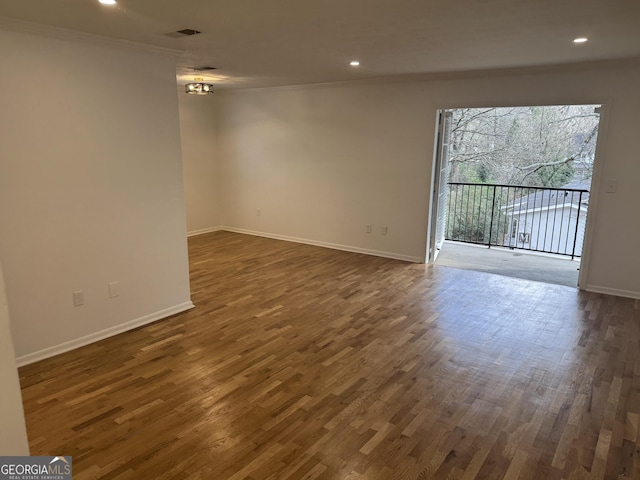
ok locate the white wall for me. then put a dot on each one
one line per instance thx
(13, 434)
(321, 162)
(91, 190)
(198, 133)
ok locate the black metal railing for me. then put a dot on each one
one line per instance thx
(540, 219)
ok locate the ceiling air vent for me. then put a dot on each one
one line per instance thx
(204, 69)
(185, 32)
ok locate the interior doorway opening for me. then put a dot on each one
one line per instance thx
(512, 189)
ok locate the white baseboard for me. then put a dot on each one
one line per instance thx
(613, 291)
(202, 231)
(102, 334)
(335, 246)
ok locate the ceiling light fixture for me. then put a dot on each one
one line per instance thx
(198, 87)
(355, 63)
(580, 40)
(107, 2)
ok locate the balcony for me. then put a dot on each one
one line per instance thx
(511, 220)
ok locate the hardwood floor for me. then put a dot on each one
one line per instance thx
(307, 363)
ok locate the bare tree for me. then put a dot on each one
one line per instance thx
(537, 146)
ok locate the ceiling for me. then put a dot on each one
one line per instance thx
(258, 43)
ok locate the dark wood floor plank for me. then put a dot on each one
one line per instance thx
(300, 362)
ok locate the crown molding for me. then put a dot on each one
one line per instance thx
(59, 33)
(560, 68)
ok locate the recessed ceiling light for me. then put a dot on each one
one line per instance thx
(107, 2)
(355, 63)
(580, 40)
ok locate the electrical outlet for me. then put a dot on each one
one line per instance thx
(78, 298)
(258, 212)
(114, 289)
(368, 229)
(384, 230)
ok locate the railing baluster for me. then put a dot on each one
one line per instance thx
(518, 193)
(484, 220)
(566, 237)
(447, 233)
(493, 204)
(553, 228)
(455, 215)
(564, 198)
(466, 219)
(474, 236)
(539, 218)
(575, 236)
(546, 219)
(456, 232)
(497, 225)
(459, 198)
(495, 200)
(526, 217)
(509, 219)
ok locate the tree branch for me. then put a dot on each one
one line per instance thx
(584, 115)
(537, 166)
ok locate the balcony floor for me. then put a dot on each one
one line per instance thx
(540, 267)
